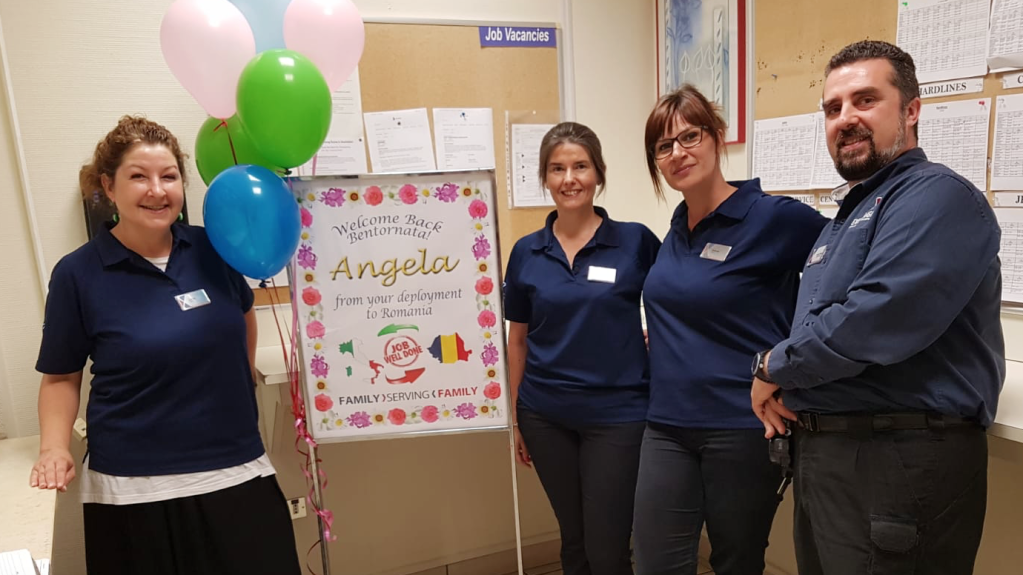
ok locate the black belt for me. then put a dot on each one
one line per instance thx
(816, 422)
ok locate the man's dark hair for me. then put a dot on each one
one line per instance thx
(903, 68)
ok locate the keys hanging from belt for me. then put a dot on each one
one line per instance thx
(779, 449)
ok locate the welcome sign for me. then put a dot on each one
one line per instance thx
(397, 289)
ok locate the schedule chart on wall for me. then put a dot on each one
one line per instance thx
(781, 147)
(1005, 46)
(947, 38)
(1007, 150)
(824, 176)
(955, 134)
(1011, 253)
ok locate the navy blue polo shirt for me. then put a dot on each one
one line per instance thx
(900, 304)
(172, 391)
(716, 296)
(586, 359)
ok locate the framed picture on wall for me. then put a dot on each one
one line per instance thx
(703, 43)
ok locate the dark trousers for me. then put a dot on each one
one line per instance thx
(589, 475)
(240, 530)
(891, 502)
(723, 477)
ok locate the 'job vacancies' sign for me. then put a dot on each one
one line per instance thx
(517, 36)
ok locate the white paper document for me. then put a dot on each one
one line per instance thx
(17, 563)
(947, 38)
(1011, 253)
(823, 176)
(1007, 150)
(464, 138)
(343, 153)
(783, 150)
(955, 134)
(1005, 43)
(399, 141)
(525, 165)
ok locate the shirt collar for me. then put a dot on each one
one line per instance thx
(904, 162)
(606, 234)
(112, 251)
(735, 206)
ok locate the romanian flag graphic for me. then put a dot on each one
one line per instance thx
(449, 349)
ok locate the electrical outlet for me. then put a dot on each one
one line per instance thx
(79, 428)
(297, 507)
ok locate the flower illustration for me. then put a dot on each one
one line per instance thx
(339, 422)
(480, 249)
(396, 416)
(484, 409)
(305, 236)
(466, 411)
(491, 373)
(311, 296)
(334, 197)
(315, 330)
(307, 259)
(408, 194)
(307, 218)
(353, 196)
(426, 193)
(309, 277)
(447, 193)
(319, 367)
(489, 355)
(373, 195)
(445, 413)
(482, 267)
(379, 418)
(484, 286)
(487, 318)
(359, 419)
(318, 346)
(478, 209)
(492, 390)
(311, 197)
(466, 192)
(487, 335)
(323, 402)
(321, 385)
(479, 227)
(430, 414)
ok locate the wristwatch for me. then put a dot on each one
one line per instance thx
(760, 366)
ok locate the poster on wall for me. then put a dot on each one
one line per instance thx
(397, 286)
(703, 43)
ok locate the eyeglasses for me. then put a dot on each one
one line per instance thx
(687, 139)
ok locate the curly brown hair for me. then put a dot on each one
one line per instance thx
(110, 151)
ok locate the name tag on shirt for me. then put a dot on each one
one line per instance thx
(599, 274)
(192, 299)
(716, 252)
(817, 256)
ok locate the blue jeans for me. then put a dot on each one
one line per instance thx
(688, 477)
(589, 475)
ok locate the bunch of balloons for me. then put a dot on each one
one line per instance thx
(264, 70)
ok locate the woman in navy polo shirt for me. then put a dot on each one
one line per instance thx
(577, 356)
(176, 480)
(723, 288)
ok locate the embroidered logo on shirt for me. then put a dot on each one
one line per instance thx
(864, 218)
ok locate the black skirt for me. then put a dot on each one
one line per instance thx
(245, 529)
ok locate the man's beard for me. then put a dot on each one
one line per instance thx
(856, 169)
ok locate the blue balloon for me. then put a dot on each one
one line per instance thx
(266, 18)
(252, 220)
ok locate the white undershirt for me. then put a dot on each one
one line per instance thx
(99, 487)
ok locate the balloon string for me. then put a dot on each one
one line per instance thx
(230, 142)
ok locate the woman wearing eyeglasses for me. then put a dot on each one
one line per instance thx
(723, 286)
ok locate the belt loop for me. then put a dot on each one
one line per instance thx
(812, 422)
(936, 423)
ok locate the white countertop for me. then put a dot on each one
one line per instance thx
(26, 514)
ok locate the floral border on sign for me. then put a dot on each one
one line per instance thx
(484, 285)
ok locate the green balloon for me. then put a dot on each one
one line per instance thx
(285, 105)
(225, 143)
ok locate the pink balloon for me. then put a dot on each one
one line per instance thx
(328, 32)
(207, 44)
